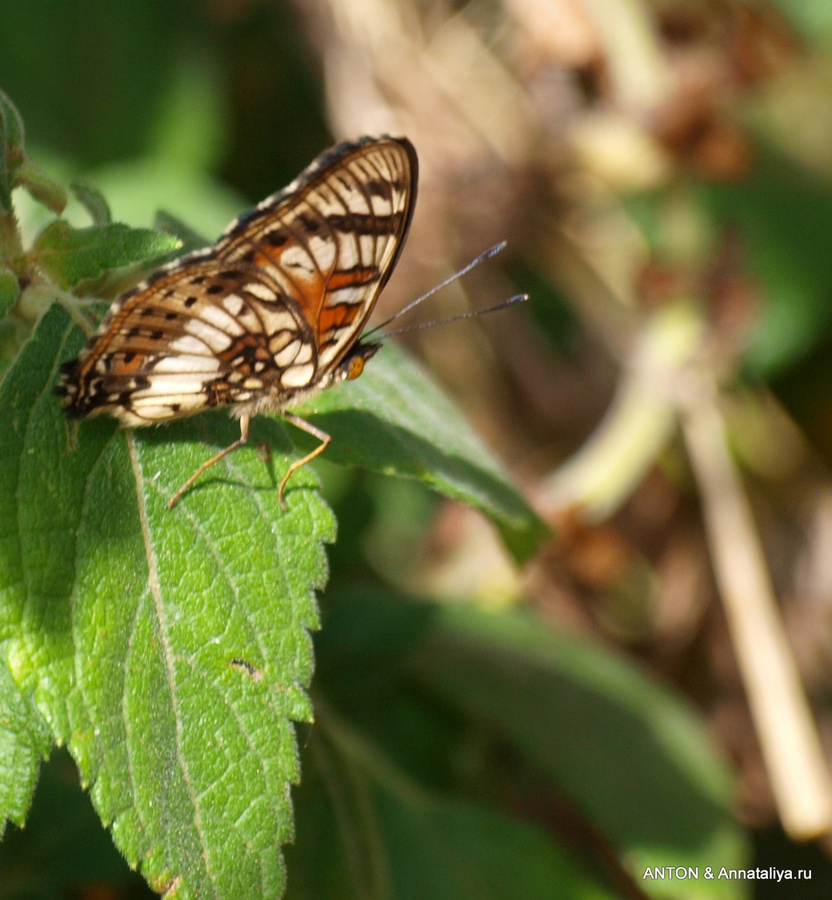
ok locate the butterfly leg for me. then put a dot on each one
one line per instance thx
(322, 436)
(241, 441)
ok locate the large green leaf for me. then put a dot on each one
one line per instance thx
(476, 705)
(170, 650)
(394, 419)
(367, 832)
(628, 754)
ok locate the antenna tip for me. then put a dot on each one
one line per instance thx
(497, 248)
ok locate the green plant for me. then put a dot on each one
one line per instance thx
(170, 651)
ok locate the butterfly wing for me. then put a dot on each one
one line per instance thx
(265, 315)
(331, 239)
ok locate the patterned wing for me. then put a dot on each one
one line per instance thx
(266, 315)
(331, 239)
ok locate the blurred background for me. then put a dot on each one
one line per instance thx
(662, 174)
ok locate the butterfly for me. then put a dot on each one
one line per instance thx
(270, 315)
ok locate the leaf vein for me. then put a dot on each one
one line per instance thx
(156, 593)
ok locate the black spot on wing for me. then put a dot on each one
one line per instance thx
(276, 238)
(359, 223)
(310, 223)
(381, 189)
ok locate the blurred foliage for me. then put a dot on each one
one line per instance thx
(634, 155)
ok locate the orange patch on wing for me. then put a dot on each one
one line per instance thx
(123, 367)
(338, 315)
(270, 256)
(352, 278)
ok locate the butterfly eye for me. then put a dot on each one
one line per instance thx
(354, 367)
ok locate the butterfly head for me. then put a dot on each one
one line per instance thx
(352, 365)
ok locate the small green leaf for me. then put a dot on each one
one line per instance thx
(93, 201)
(5, 178)
(171, 225)
(396, 420)
(11, 149)
(70, 255)
(9, 290)
(46, 191)
(13, 124)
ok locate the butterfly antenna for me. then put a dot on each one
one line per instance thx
(471, 265)
(474, 313)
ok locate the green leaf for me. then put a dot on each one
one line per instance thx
(190, 239)
(12, 153)
(43, 188)
(5, 178)
(496, 705)
(70, 255)
(13, 123)
(169, 650)
(783, 213)
(367, 832)
(9, 290)
(24, 740)
(395, 420)
(93, 201)
(628, 755)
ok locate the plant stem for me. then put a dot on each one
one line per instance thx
(787, 733)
